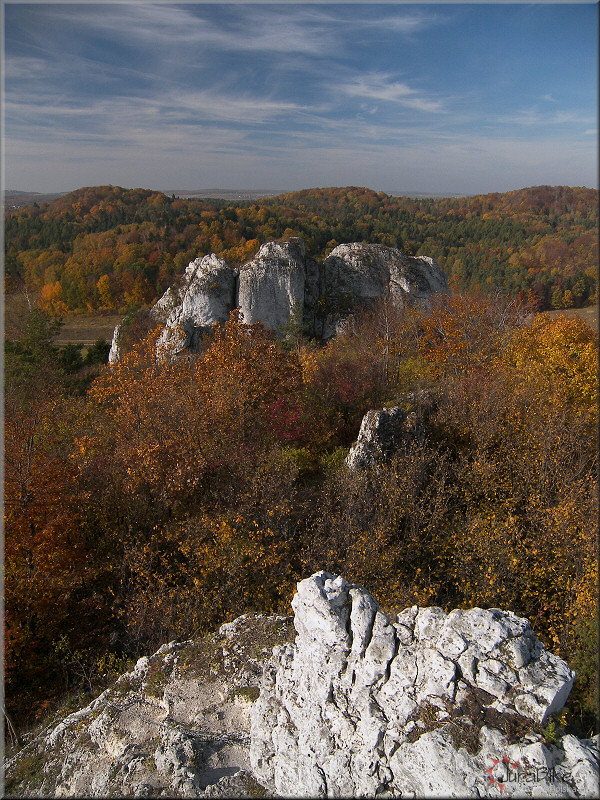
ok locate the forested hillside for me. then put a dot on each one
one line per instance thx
(148, 501)
(159, 499)
(108, 248)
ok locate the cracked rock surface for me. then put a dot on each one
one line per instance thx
(282, 281)
(177, 725)
(428, 704)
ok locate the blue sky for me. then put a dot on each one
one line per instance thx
(456, 98)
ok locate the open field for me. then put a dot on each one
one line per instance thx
(87, 329)
(82, 329)
(589, 314)
(14, 199)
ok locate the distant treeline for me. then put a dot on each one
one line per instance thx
(106, 247)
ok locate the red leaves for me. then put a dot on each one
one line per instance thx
(286, 420)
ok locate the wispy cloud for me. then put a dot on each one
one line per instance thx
(382, 87)
(533, 117)
(292, 94)
(250, 27)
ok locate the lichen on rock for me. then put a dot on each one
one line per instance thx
(361, 705)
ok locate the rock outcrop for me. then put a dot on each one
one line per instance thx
(177, 725)
(357, 273)
(207, 295)
(427, 704)
(272, 284)
(281, 280)
(380, 435)
(384, 431)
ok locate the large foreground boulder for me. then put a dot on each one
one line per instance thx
(429, 704)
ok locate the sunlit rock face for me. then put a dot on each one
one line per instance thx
(380, 435)
(384, 432)
(281, 282)
(206, 296)
(272, 284)
(421, 705)
(356, 704)
(176, 725)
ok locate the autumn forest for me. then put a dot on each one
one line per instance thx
(111, 248)
(153, 500)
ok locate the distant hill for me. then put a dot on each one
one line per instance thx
(106, 248)
(14, 199)
(224, 194)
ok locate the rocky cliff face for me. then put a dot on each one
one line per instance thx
(357, 273)
(427, 704)
(207, 295)
(272, 284)
(280, 280)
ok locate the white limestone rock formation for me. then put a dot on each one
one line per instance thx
(422, 705)
(356, 273)
(114, 354)
(380, 435)
(177, 725)
(271, 285)
(428, 704)
(280, 281)
(384, 431)
(206, 296)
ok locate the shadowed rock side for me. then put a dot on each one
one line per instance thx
(354, 274)
(384, 431)
(281, 280)
(428, 704)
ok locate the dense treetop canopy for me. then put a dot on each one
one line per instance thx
(105, 247)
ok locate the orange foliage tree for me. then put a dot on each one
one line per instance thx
(49, 571)
(177, 440)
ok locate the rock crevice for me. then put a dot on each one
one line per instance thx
(429, 703)
(362, 705)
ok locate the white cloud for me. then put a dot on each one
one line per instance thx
(533, 117)
(248, 27)
(382, 87)
(237, 109)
